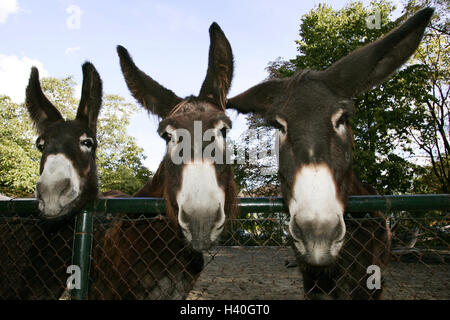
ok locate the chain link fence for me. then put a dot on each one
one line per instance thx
(145, 257)
(256, 259)
(34, 257)
(141, 258)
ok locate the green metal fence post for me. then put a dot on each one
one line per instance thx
(81, 256)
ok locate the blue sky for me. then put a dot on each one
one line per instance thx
(168, 40)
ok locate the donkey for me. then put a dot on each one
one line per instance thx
(166, 256)
(68, 173)
(311, 111)
(67, 182)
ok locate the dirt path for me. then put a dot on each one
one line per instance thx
(258, 273)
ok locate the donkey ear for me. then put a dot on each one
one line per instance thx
(372, 64)
(220, 67)
(258, 99)
(41, 110)
(149, 93)
(91, 97)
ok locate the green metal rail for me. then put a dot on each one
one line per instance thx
(82, 244)
(153, 206)
(81, 253)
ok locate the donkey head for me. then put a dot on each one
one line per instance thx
(312, 111)
(68, 173)
(197, 183)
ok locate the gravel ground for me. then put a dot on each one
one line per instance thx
(258, 273)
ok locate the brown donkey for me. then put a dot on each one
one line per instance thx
(312, 111)
(35, 255)
(161, 258)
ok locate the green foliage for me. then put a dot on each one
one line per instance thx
(61, 93)
(19, 160)
(433, 135)
(257, 178)
(119, 159)
(257, 229)
(327, 34)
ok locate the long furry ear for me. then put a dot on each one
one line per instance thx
(41, 110)
(149, 93)
(217, 83)
(91, 97)
(372, 64)
(259, 98)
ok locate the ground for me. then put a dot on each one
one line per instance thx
(258, 273)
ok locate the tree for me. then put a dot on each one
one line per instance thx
(386, 115)
(19, 169)
(119, 159)
(256, 173)
(432, 133)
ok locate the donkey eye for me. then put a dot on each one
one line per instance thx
(279, 124)
(166, 136)
(88, 143)
(40, 144)
(340, 121)
(343, 120)
(223, 131)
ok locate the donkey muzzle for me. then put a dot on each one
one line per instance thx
(58, 187)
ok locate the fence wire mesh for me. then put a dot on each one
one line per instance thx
(141, 258)
(138, 257)
(34, 256)
(255, 260)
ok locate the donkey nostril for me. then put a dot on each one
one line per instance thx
(185, 229)
(183, 218)
(296, 231)
(65, 185)
(41, 205)
(38, 189)
(183, 222)
(221, 226)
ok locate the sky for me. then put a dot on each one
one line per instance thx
(168, 40)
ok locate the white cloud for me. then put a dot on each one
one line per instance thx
(14, 75)
(7, 7)
(72, 50)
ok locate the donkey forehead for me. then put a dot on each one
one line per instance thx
(64, 132)
(68, 128)
(208, 120)
(309, 100)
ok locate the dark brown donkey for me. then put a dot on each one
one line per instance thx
(312, 111)
(161, 258)
(36, 254)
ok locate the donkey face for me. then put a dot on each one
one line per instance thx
(311, 111)
(68, 174)
(197, 183)
(315, 165)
